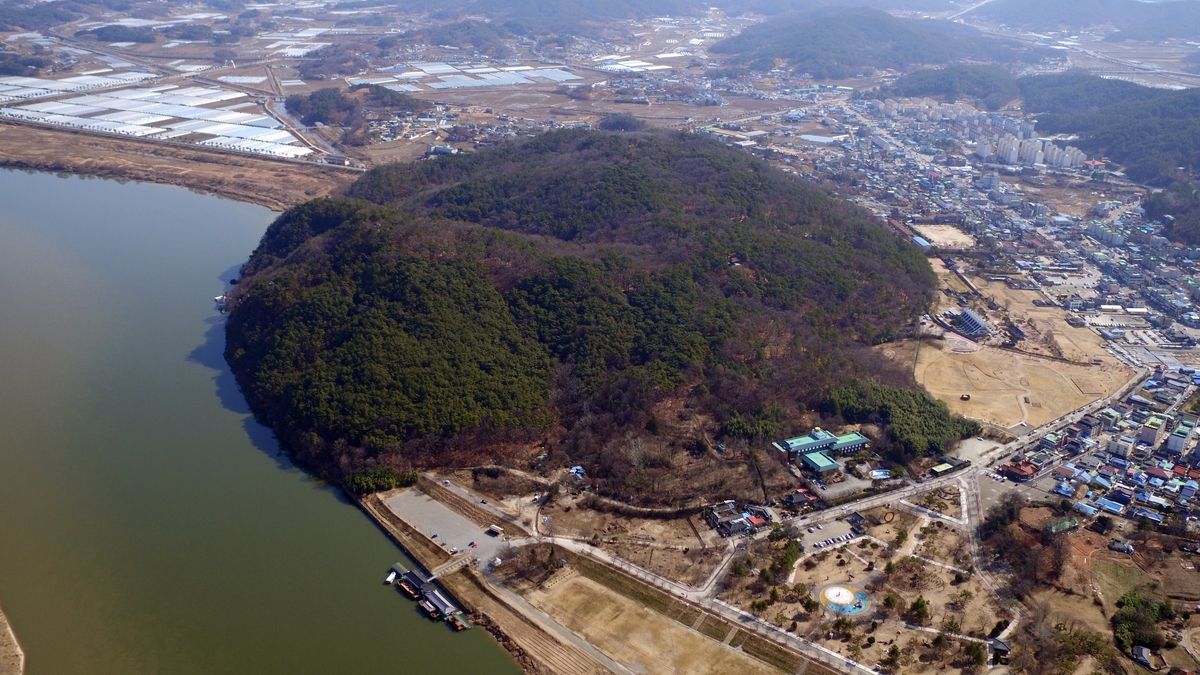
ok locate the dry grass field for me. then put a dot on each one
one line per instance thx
(637, 637)
(1007, 389)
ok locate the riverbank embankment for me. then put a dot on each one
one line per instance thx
(536, 649)
(12, 659)
(274, 184)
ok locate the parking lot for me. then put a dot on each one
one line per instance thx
(991, 489)
(830, 530)
(437, 521)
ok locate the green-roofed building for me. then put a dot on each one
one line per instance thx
(816, 440)
(819, 462)
(849, 443)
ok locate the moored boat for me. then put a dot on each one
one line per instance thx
(429, 609)
(458, 622)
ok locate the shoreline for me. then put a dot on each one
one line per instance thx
(277, 185)
(12, 657)
(536, 649)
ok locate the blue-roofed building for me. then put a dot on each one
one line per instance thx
(1101, 482)
(1189, 489)
(1153, 516)
(1085, 509)
(1064, 489)
(1110, 506)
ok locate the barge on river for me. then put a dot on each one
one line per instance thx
(433, 600)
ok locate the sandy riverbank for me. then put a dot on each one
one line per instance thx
(12, 659)
(274, 184)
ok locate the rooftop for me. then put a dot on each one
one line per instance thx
(819, 461)
(818, 438)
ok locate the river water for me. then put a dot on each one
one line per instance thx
(147, 524)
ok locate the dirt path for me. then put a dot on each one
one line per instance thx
(12, 659)
(274, 184)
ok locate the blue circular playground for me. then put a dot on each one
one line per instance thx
(845, 599)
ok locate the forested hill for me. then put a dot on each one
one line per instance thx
(527, 17)
(558, 289)
(835, 43)
(1133, 19)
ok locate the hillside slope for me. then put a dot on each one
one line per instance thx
(558, 290)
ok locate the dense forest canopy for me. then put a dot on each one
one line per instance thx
(1154, 133)
(990, 85)
(920, 424)
(559, 288)
(119, 33)
(34, 16)
(1133, 19)
(332, 106)
(836, 43)
(485, 38)
(21, 65)
(774, 7)
(539, 17)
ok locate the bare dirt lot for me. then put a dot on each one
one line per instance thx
(946, 236)
(639, 638)
(1007, 388)
(274, 184)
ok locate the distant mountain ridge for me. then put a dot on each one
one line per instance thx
(544, 16)
(835, 43)
(1134, 20)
